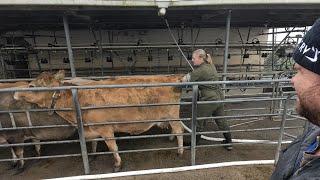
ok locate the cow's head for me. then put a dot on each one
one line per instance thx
(42, 98)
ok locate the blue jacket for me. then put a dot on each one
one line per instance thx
(297, 161)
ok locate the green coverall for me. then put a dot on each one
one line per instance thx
(208, 72)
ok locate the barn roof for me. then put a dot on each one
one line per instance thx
(138, 14)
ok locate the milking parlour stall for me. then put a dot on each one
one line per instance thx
(94, 89)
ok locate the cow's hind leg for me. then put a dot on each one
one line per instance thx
(177, 128)
(94, 145)
(112, 145)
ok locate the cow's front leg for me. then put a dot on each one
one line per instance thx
(112, 145)
(18, 151)
(37, 147)
(14, 158)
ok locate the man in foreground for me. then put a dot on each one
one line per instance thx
(301, 159)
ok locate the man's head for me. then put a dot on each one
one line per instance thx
(307, 80)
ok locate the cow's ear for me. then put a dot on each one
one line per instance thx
(59, 75)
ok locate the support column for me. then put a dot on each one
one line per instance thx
(77, 106)
(70, 53)
(226, 51)
(195, 92)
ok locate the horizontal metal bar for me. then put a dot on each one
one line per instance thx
(239, 116)
(232, 74)
(75, 47)
(240, 100)
(91, 140)
(145, 121)
(132, 151)
(94, 107)
(41, 157)
(245, 109)
(240, 143)
(247, 122)
(94, 124)
(235, 100)
(248, 130)
(138, 85)
(144, 136)
(298, 117)
(290, 135)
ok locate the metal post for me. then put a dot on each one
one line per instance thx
(275, 95)
(194, 123)
(67, 33)
(274, 84)
(81, 131)
(272, 53)
(226, 51)
(77, 107)
(37, 57)
(49, 61)
(101, 51)
(306, 126)
(284, 116)
(3, 68)
(280, 95)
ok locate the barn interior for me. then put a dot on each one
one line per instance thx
(248, 41)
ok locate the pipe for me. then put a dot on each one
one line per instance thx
(67, 33)
(194, 123)
(77, 107)
(140, 85)
(165, 46)
(226, 49)
(167, 170)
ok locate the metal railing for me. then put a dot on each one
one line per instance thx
(195, 102)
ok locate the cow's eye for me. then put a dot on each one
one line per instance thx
(31, 85)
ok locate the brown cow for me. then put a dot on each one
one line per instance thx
(36, 119)
(111, 96)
